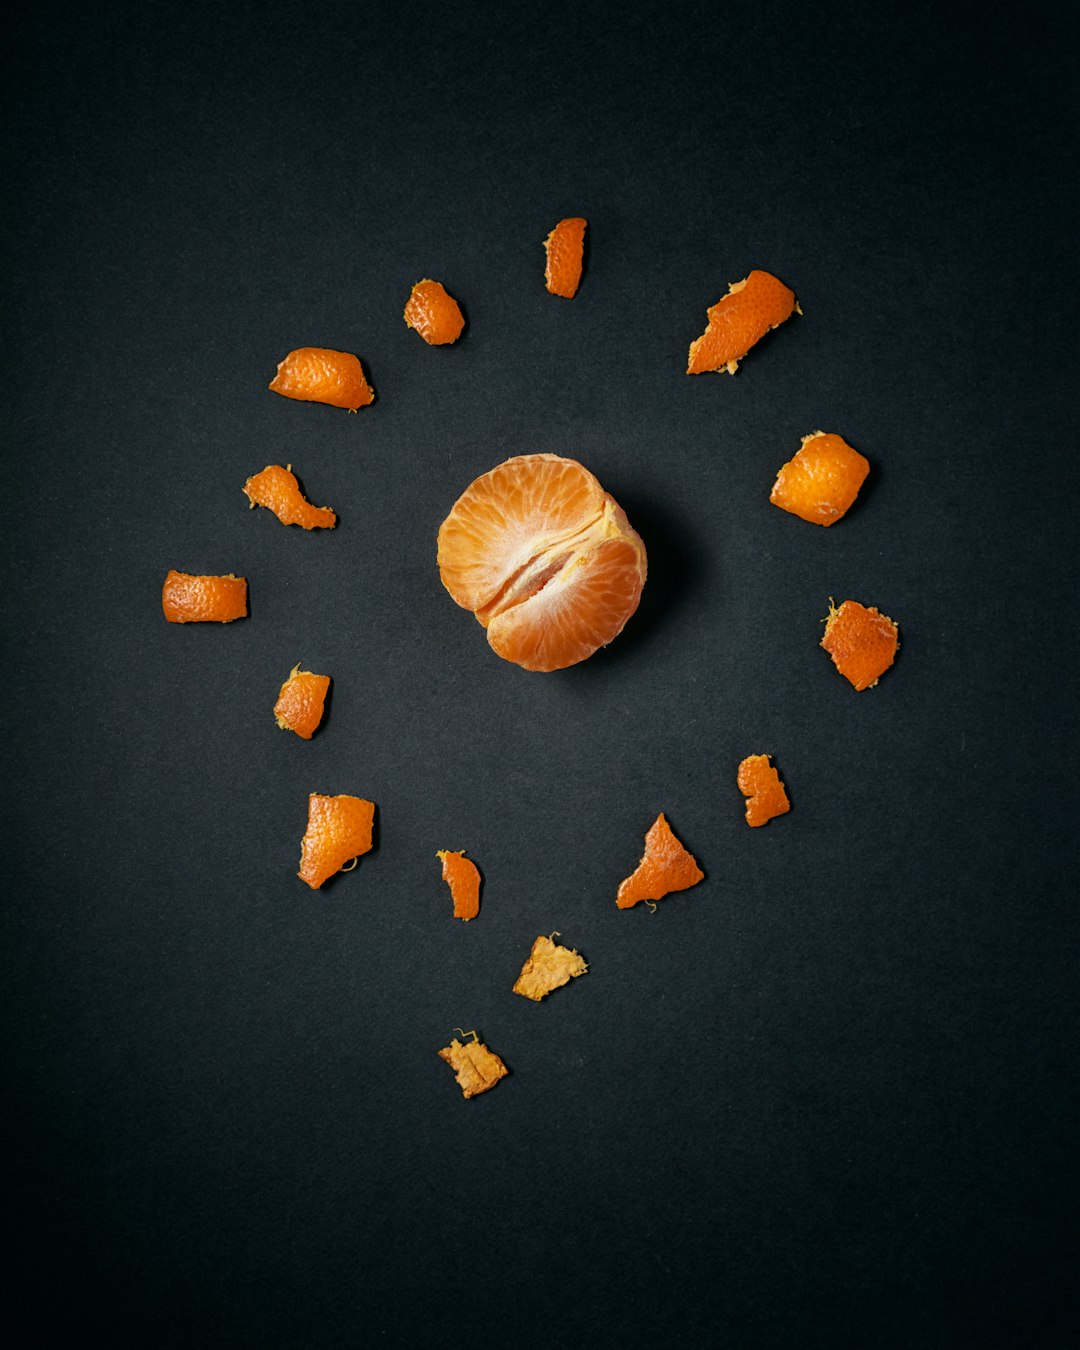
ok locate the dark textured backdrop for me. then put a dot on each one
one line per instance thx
(827, 1099)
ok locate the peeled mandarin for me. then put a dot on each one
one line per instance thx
(544, 558)
(822, 480)
(749, 310)
(322, 375)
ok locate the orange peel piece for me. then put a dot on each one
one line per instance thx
(300, 702)
(434, 313)
(338, 831)
(549, 966)
(322, 375)
(276, 488)
(760, 783)
(665, 866)
(189, 598)
(740, 319)
(565, 247)
(861, 641)
(463, 878)
(820, 483)
(476, 1068)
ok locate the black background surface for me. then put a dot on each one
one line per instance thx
(828, 1097)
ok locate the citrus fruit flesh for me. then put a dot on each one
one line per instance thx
(186, 598)
(760, 783)
(861, 641)
(544, 558)
(665, 867)
(276, 488)
(823, 479)
(322, 375)
(549, 966)
(300, 703)
(750, 308)
(463, 878)
(565, 247)
(434, 313)
(476, 1068)
(338, 830)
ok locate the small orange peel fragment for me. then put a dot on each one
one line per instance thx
(322, 375)
(476, 1068)
(187, 598)
(549, 966)
(276, 488)
(565, 247)
(338, 831)
(861, 641)
(822, 480)
(760, 783)
(463, 878)
(300, 702)
(666, 866)
(434, 313)
(741, 318)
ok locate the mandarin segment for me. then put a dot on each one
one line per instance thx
(339, 830)
(463, 878)
(565, 247)
(476, 1068)
(276, 488)
(760, 783)
(434, 313)
(322, 375)
(544, 558)
(740, 319)
(188, 598)
(822, 480)
(861, 641)
(549, 966)
(300, 703)
(666, 866)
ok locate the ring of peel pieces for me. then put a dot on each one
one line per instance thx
(544, 558)
(666, 866)
(276, 488)
(301, 701)
(322, 375)
(190, 598)
(861, 641)
(339, 830)
(820, 483)
(740, 319)
(760, 783)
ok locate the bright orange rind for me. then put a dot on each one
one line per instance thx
(300, 703)
(749, 310)
(544, 558)
(338, 831)
(665, 867)
(822, 481)
(565, 247)
(199, 599)
(461, 875)
(760, 783)
(322, 375)
(434, 313)
(277, 489)
(861, 641)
